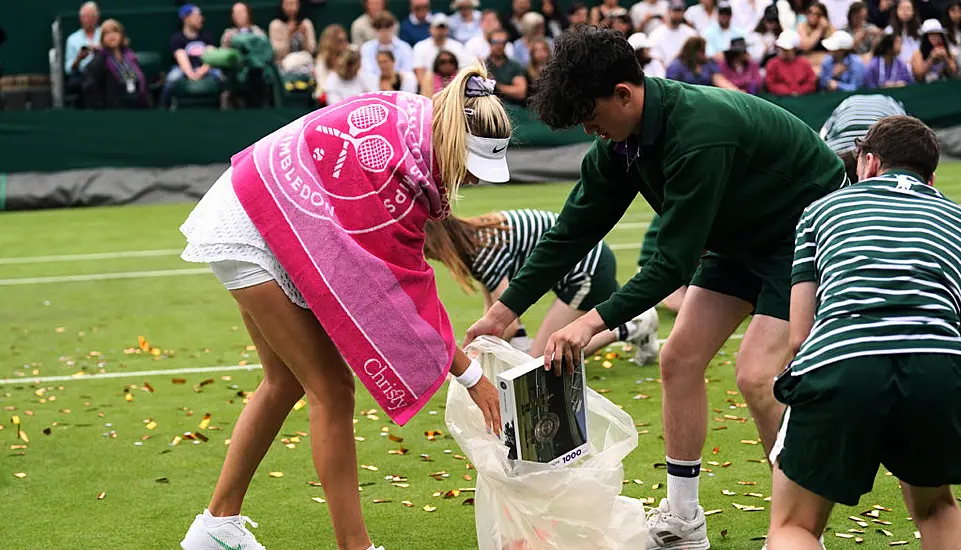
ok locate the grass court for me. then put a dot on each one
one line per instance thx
(113, 349)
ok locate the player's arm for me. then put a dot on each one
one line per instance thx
(595, 204)
(692, 195)
(804, 284)
(483, 392)
(492, 296)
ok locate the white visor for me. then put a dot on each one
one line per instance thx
(487, 158)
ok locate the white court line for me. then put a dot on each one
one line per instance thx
(622, 246)
(90, 257)
(143, 373)
(104, 276)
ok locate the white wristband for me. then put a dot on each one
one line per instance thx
(471, 376)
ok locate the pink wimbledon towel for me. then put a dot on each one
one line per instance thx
(341, 197)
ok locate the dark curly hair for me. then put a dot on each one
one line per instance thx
(586, 65)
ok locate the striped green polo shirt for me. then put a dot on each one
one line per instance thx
(852, 118)
(886, 255)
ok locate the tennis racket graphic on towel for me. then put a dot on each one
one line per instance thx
(373, 152)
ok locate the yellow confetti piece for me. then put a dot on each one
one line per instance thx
(408, 503)
(151, 425)
(917, 535)
(885, 532)
(15, 420)
(369, 467)
(727, 493)
(359, 438)
(176, 441)
(276, 474)
(295, 439)
(429, 508)
(205, 421)
(101, 495)
(17, 447)
(128, 397)
(300, 404)
(898, 543)
(712, 512)
(20, 475)
(843, 535)
(607, 364)
(318, 500)
(382, 500)
(750, 441)
(23, 436)
(373, 417)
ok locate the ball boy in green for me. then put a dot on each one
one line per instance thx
(876, 328)
(726, 172)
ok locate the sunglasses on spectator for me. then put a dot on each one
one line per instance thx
(498, 41)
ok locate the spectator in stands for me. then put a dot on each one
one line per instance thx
(739, 69)
(814, 30)
(480, 46)
(512, 23)
(620, 21)
(416, 26)
(385, 27)
(841, 69)
(789, 73)
(702, 15)
(719, 35)
(933, 61)
(540, 51)
(293, 38)
(577, 14)
(879, 12)
(905, 23)
(864, 33)
(510, 82)
(602, 11)
(113, 79)
(748, 13)
(642, 50)
(81, 45)
(554, 20)
(952, 24)
(441, 74)
(362, 29)
(188, 47)
(694, 67)
(533, 25)
(347, 80)
(333, 43)
(426, 50)
(768, 30)
(648, 15)
(390, 79)
(885, 70)
(668, 39)
(465, 23)
(241, 22)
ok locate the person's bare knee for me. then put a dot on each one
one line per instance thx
(925, 503)
(761, 357)
(680, 364)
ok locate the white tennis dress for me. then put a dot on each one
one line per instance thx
(219, 230)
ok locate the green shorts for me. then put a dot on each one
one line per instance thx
(845, 419)
(595, 288)
(765, 282)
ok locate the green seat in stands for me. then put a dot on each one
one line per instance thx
(196, 93)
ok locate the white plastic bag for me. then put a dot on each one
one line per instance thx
(529, 506)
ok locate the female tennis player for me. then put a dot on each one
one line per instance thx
(317, 231)
(492, 248)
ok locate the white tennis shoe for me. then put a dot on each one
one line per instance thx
(210, 533)
(669, 531)
(645, 340)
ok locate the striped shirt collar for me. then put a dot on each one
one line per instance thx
(904, 178)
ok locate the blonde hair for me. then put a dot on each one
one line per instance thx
(111, 25)
(326, 53)
(348, 59)
(455, 115)
(455, 242)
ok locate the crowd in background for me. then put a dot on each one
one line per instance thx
(781, 47)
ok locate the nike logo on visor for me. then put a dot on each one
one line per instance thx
(496, 150)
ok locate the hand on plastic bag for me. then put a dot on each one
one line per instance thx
(493, 323)
(485, 395)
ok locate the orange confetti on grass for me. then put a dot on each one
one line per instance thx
(148, 387)
(300, 404)
(432, 435)
(101, 495)
(179, 380)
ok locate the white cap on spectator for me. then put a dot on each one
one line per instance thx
(530, 20)
(930, 26)
(616, 12)
(639, 41)
(840, 40)
(788, 40)
(438, 20)
(457, 4)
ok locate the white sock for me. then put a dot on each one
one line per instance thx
(682, 489)
(211, 520)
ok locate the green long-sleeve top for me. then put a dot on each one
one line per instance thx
(727, 172)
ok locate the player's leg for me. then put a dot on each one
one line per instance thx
(925, 442)
(702, 327)
(762, 355)
(935, 511)
(675, 300)
(304, 346)
(798, 516)
(258, 425)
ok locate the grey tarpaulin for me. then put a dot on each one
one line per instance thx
(114, 186)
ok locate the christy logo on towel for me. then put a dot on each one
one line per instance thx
(396, 395)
